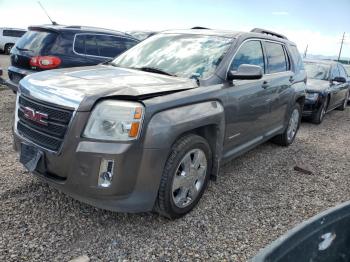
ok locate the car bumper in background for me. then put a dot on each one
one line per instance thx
(15, 75)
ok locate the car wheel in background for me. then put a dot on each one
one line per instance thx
(345, 102)
(321, 112)
(290, 132)
(184, 177)
(8, 48)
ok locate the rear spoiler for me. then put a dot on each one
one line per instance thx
(43, 28)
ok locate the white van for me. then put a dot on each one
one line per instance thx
(8, 38)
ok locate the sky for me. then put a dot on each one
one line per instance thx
(317, 23)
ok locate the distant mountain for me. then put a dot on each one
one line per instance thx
(323, 57)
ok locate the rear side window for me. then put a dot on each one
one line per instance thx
(111, 46)
(276, 59)
(297, 58)
(101, 45)
(249, 53)
(13, 33)
(36, 41)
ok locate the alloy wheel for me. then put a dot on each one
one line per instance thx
(189, 178)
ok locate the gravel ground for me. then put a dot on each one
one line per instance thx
(257, 198)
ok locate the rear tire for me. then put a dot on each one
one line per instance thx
(184, 177)
(292, 128)
(321, 112)
(8, 48)
(345, 102)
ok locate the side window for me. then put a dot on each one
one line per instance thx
(91, 47)
(79, 44)
(110, 46)
(7, 33)
(18, 33)
(334, 72)
(342, 71)
(250, 53)
(297, 58)
(276, 59)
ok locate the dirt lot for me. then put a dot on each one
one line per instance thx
(257, 198)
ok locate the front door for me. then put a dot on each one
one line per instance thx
(248, 102)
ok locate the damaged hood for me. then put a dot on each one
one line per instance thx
(79, 88)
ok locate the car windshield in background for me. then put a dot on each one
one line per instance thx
(317, 71)
(35, 40)
(177, 54)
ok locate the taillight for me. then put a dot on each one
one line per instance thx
(45, 62)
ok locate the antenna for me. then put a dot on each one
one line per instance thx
(53, 22)
(341, 46)
(305, 53)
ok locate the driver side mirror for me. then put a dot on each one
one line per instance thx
(246, 72)
(339, 79)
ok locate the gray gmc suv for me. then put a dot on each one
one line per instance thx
(147, 131)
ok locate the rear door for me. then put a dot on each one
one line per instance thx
(278, 80)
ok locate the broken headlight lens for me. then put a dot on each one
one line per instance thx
(115, 120)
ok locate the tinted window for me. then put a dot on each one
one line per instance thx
(79, 44)
(250, 53)
(13, 33)
(91, 47)
(111, 46)
(36, 40)
(276, 60)
(342, 71)
(297, 58)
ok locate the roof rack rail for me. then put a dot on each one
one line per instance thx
(199, 27)
(268, 32)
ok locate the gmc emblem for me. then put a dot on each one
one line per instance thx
(35, 116)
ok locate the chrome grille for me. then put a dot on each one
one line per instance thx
(50, 135)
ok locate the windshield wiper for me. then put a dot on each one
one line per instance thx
(154, 70)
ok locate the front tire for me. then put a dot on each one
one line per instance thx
(184, 177)
(290, 132)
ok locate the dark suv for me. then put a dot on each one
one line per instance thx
(51, 46)
(147, 130)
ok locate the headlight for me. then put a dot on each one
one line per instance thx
(115, 120)
(311, 96)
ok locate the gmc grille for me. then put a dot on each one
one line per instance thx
(50, 135)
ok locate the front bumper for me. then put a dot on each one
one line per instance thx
(311, 107)
(75, 170)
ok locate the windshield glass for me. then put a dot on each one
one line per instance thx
(177, 54)
(317, 71)
(35, 40)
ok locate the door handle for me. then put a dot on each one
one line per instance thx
(265, 84)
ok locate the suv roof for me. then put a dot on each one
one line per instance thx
(256, 32)
(79, 28)
(11, 28)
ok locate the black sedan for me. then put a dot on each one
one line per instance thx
(327, 89)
